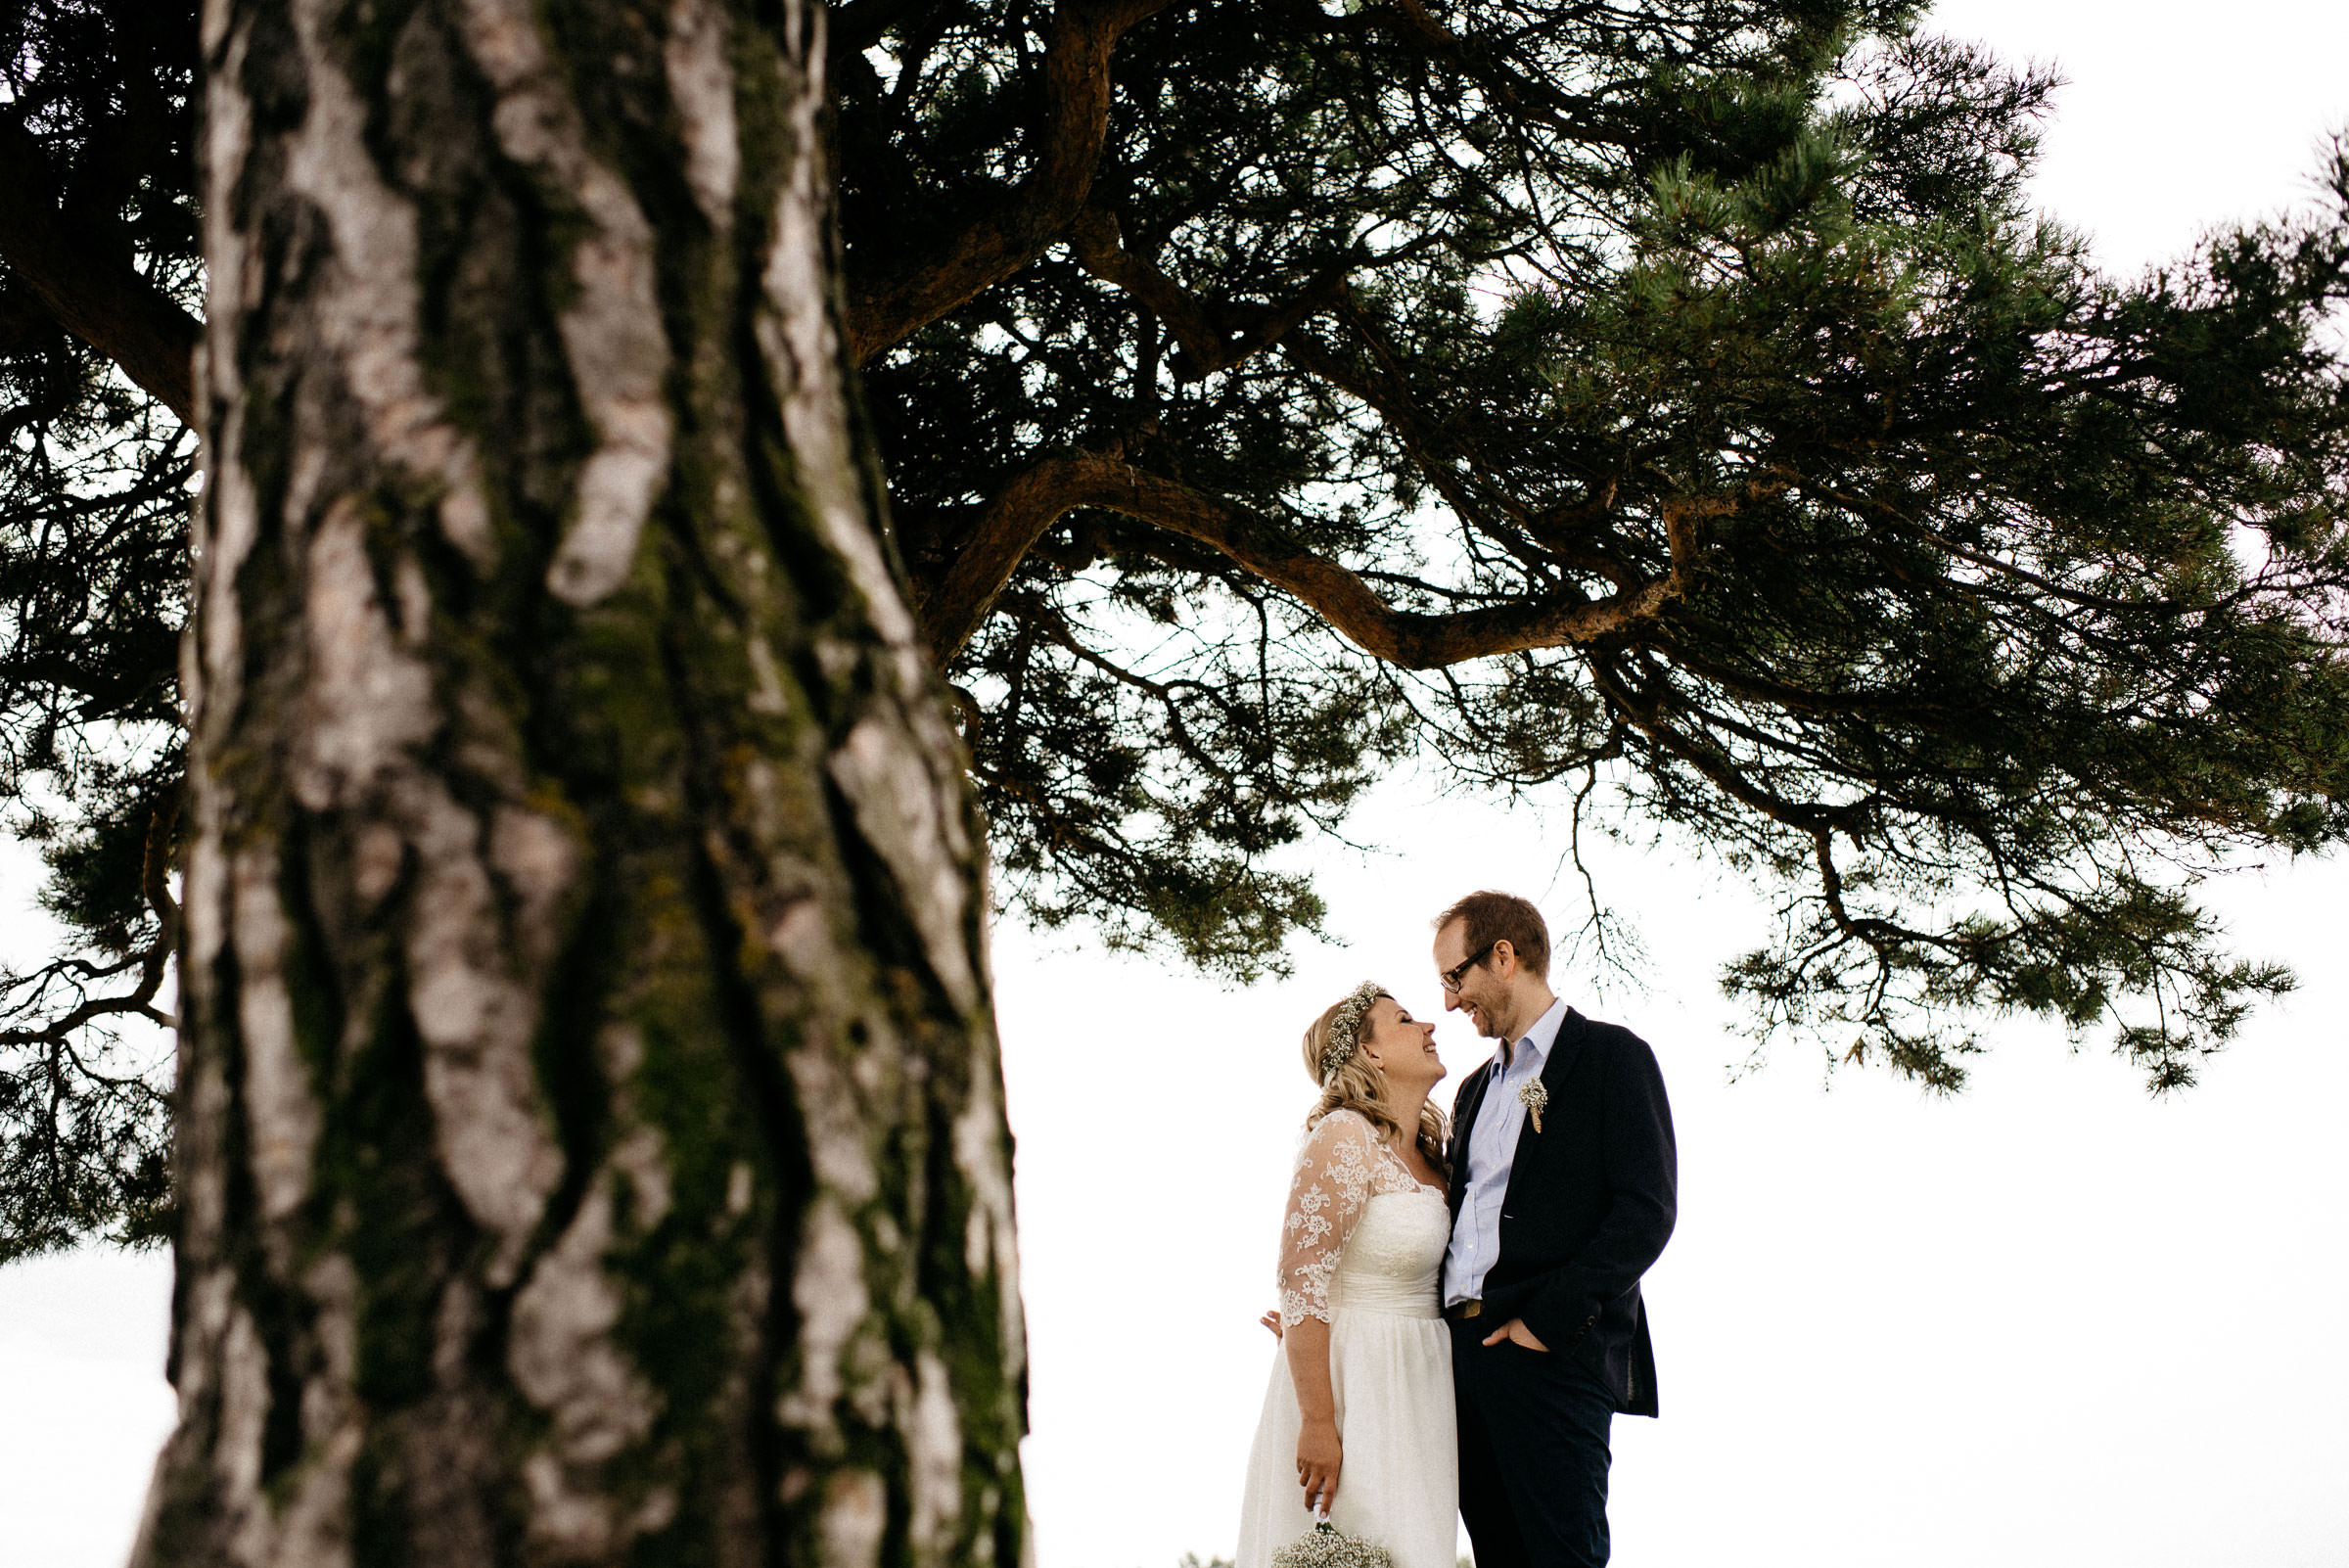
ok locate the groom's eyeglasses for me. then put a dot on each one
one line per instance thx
(1453, 977)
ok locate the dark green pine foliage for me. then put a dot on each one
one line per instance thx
(1999, 599)
(96, 126)
(1671, 410)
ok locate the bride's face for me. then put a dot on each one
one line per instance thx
(1402, 1047)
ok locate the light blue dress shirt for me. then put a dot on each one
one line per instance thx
(1492, 1148)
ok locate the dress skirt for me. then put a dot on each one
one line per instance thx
(1398, 1474)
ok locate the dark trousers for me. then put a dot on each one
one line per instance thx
(1533, 1453)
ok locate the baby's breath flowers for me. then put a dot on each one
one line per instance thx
(1534, 1095)
(1324, 1546)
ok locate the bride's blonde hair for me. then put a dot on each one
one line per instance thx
(1356, 1085)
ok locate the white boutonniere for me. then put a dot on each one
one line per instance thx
(1534, 1095)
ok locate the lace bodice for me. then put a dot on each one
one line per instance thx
(1341, 1166)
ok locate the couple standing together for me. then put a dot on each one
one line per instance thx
(1460, 1316)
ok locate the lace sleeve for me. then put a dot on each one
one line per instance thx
(1326, 1197)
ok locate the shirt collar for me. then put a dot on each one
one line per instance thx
(1537, 1039)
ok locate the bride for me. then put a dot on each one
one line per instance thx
(1358, 1416)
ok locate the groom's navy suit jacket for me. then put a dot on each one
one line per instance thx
(1590, 1205)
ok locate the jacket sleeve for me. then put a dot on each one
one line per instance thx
(1640, 1172)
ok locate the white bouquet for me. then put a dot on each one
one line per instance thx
(1325, 1546)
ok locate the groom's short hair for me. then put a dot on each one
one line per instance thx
(1492, 917)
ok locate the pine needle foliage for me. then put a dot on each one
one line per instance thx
(1674, 412)
(1671, 412)
(96, 167)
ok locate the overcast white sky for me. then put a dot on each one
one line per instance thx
(2050, 1324)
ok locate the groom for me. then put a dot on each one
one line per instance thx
(1563, 1172)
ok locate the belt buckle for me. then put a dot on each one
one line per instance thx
(1461, 1312)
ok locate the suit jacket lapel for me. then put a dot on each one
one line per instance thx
(1472, 1098)
(1554, 1067)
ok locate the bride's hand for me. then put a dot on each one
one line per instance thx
(1319, 1455)
(1272, 1321)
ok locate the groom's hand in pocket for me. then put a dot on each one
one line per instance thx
(1516, 1333)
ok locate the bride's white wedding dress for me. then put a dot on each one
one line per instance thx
(1361, 1250)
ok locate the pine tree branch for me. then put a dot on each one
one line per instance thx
(150, 961)
(1063, 481)
(1645, 711)
(1523, 96)
(1210, 337)
(898, 299)
(1386, 391)
(96, 295)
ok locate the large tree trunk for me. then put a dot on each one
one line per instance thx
(591, 1141)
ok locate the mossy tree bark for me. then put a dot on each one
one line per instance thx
(591, 1143)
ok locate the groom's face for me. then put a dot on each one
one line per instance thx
(1482, 991)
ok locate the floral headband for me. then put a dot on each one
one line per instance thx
(1345, 1029)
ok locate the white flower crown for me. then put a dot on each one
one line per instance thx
(1345, 1029)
